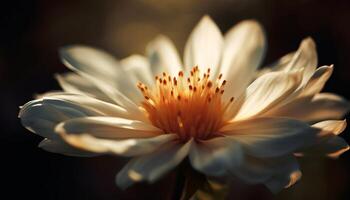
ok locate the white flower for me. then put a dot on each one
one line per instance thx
(211, 109)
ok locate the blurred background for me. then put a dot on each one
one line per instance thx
(32, 31)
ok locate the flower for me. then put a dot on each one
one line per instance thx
(217, 109)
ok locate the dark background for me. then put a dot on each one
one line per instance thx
(32, 31)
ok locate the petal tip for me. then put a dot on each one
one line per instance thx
(308, 42)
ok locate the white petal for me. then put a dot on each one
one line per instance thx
(331, 146)
(90, 61)
(104, 71)
(322, 106)
(163, 56)
(270, 137)
(108, 127)
(243, 51)
(125, 147)
(305, 58)
(317, 81)
(266, 92)
(101, 107)
(328, 143)
(331, 126)
(203, 47)
(74, 83)
(58, 146)
(152, 166)
(41, 116)
(96, 63)
(282, 63)
(215, 157)
(284, 180)
(259, 170)
(139, 67)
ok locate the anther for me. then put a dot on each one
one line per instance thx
(223, 83)
(209, 84)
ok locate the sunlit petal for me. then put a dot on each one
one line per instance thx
(163, 56)
(317, 81)
(41, 116)
(265, 92)
(139, 67)
(61, 147)
(108, 127)
(323, 106)
(124, 147)
(203, 48)
(304, 58)
(73, 83)
(104, 71)
(243, 50)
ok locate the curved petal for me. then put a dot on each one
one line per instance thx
(76, 84)
(281, 63)
(42, 115)
(322, 106)
(331, 146)
(59, 146)
(304, 58)
(98, 106)
(108, 128)
(328, 143)
(125, 147)
(152, 166)
(331, 126)
(139, 67)
(265, 92)
(285, 179)
(259, 170)
(243, 51)
(203, 47)
(104, 71)
(163, 56)
(216, 157)
(317, 81)
(270, 137)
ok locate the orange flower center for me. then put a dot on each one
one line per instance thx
(191, 108)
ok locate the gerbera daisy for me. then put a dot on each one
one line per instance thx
(214, 108)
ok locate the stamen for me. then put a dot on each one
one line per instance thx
(191, 107)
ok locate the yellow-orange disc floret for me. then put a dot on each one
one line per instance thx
(191, 108)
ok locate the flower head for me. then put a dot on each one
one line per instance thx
(217, 109)
(190, 107)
